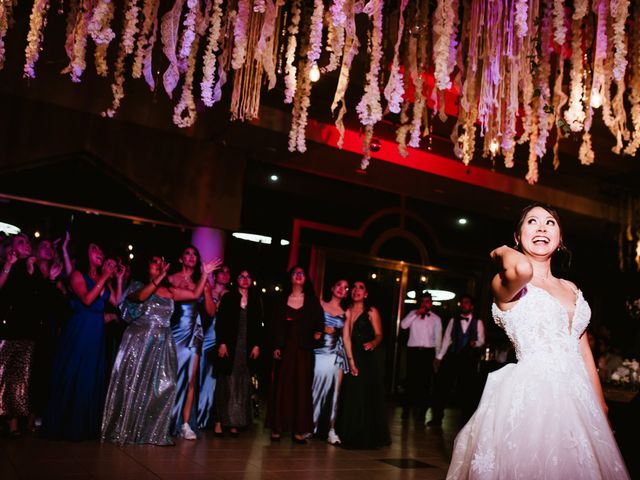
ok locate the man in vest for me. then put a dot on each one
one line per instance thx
(456, 362)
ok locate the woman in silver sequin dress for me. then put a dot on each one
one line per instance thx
(143, 381)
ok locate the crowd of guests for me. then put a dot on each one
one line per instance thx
(190, 342)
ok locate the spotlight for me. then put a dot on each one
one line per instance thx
(130, 247)
(374, 276)
(131, 256)
(462, 221)
(423, 279)
(274, 178)
(36, 234)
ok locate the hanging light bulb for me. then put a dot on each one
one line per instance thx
(596, 99)
(314, 73)
(494, 146)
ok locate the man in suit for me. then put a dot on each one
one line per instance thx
(425, 337)
(456, 362)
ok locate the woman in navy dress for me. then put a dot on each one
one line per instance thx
(362, 416)
(330, 364)
(78, 385)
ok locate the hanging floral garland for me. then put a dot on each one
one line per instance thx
(497, 55)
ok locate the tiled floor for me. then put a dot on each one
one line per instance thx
(250, 457)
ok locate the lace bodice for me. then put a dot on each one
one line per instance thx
(540, 324)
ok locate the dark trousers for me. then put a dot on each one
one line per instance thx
(459, 372)
(420, 379)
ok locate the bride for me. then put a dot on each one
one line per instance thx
(544, 417)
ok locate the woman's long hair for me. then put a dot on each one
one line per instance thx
(197, 269)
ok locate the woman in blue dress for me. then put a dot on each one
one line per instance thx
(143, 381)
(330, 364)
(78, 378)
(186, 326)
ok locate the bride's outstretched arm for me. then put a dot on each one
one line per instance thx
(590, 365)
(514, 272)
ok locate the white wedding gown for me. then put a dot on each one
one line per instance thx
(539, 418)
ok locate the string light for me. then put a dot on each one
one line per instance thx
(314, 73)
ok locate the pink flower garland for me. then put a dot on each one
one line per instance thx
(369, 108)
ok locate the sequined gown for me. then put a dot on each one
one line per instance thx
(329, 359)
(207, 374)
(539, 418)
(78, 381)
(362, 415)
(143, 381)
(188, 336)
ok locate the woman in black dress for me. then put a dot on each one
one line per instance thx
(362, 415)
(298, 323)
(239, 325)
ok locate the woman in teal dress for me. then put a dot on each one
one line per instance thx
(330, 365)
(78, 377)
(186, 326)
(362, 415)
(143, 381)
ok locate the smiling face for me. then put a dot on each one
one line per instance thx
(358, 292)
(539, 234)
(340, 289)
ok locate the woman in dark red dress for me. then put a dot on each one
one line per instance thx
(298, 323)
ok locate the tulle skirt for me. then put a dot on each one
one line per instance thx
(538, 419)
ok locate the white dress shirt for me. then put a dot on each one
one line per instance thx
(423, 332)
(464, 322)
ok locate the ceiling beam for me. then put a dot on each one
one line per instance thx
(279, 121)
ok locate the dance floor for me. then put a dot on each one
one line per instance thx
(417, 452)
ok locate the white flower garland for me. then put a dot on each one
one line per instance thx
(315, 33)
(184, 113)
(77, 42)
(263, 54)
(126, 49)
(208, 69)
(240, 34)
(188, 34)
(290, 82)
(369, 108)
(6, 10)
(559, 27)
(336, 37)
(522, 14)
(575, 114)
(634, 86)
(260, 6)
(145, 36)
(394, 91)
(545, 117)
(619, 12)
(37, 24)
(99, 28)
(445, 20)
